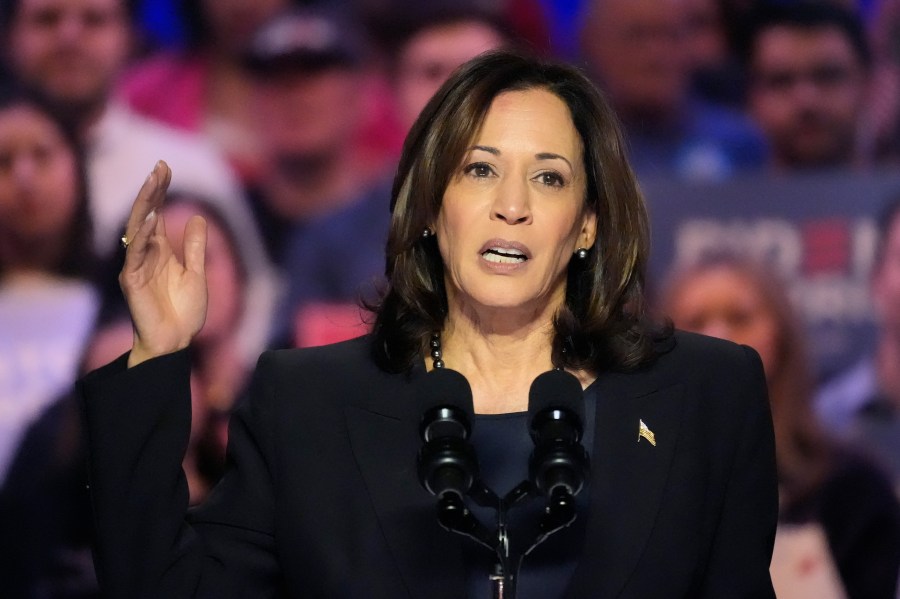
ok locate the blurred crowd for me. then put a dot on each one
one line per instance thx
(282, 121)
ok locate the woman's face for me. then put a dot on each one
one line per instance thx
(724, 303)
(38, 176)
(514, 212)
(223, 278)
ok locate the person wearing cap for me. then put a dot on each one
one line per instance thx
(309, 71)
(203, 86)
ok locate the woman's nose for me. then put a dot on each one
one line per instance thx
(511, 203)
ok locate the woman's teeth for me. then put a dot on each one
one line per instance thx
(504, 256)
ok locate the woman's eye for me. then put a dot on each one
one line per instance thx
(551, 179)
(479, 169)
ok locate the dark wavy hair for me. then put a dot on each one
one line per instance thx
(604, 323)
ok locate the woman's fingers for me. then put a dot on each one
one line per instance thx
(138, 244)
(195, 245)
(149, 198)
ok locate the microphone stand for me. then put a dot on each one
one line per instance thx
(455, 516)
(506, 569)
(448, 468)
(559, 513)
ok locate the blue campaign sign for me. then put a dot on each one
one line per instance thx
(818, 231)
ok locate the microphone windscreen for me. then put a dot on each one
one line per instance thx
(556, 389)
(443, 387)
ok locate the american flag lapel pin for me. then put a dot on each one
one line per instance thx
(645, 432)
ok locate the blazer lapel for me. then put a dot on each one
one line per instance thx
(628, 476)
(385, 441)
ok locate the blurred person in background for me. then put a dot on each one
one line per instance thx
(44, 509)
(716, 73)
(47, 299)
(219, 367)
(837, 511)
(431, 41)
(862, 404)
(204, 88)
(640, 53)
(338, 262)
(215, 92)
(309, 71)
(809, 66)
(882, 120)
(71, 52)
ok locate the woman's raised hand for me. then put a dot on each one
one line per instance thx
(166, 297)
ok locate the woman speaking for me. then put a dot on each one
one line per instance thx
(517, 246)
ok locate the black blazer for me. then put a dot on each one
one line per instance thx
(321, 498)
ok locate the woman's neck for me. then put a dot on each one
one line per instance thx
(499, 368)
(499, 351)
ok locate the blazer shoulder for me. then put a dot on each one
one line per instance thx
(692, 354)
(345, 369)
(725, 377)
(353, 355)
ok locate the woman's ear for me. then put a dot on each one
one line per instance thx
(588, 234)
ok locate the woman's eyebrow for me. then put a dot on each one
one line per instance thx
(488, 149)
(539, 156)
(552, 156)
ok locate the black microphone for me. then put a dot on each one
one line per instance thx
(559, 463)
(447, 462)
(447, 465)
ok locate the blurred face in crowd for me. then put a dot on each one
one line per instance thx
(71, 50)
(306, 115)
(725, 303)
(707, 43)
(429, 57)
(638, 48)
(886, 282)
(233, 22)
(38, 177)
(514, 213)
(222, 272)
(808, 88)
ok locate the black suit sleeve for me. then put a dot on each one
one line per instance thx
(148, 544)
(742, 547)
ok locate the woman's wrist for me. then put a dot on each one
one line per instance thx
(140, 354)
